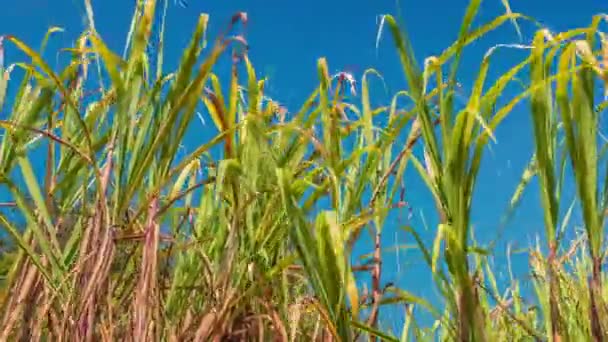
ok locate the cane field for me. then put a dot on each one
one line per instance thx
(151, 199)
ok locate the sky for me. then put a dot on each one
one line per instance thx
(288, 37)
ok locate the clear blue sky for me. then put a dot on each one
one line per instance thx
(286, 39)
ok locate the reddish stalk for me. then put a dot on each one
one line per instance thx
(595, 287)
(391, 170)
(465, 318)
(376, 290)
(554, 311)
(146, 287)
(24, 287)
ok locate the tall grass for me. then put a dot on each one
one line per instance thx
(249, 234)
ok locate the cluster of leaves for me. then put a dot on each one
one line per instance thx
(256, 243)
